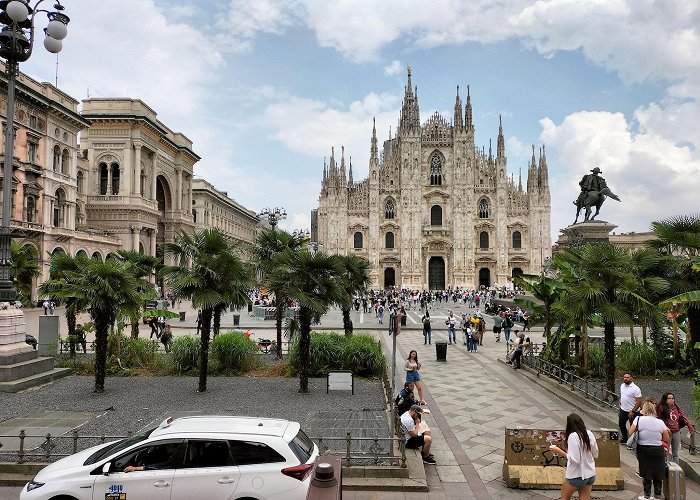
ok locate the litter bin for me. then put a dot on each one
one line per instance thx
(182, 315)
(441, 351)
(403, 320)
(250, 307)
(236, 319)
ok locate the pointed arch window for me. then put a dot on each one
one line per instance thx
(389, 209)
(484, 209)
(436, 170)
(389, 240)
(436, 215)
(517, 239)
(484, 240)
(357, 239)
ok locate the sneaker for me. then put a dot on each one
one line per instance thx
(623, 441)
(429, 460)
(642, 497)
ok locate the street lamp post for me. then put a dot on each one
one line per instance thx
(16, 44)
(274, 215)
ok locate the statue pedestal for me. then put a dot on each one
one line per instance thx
(592, 231)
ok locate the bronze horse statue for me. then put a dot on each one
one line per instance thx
(593, 199)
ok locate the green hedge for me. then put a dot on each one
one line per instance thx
(185, 353)
(330, 351)
(233, 353)
(638, 358)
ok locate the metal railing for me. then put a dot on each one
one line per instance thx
(374, 454)
(47, 449)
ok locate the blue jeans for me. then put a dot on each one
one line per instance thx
(427, 336)
(472, 343)
(451, 334)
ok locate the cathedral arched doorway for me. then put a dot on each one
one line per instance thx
(517, 272)
(436, 273)
(389, 277)
(485, 277)
(163, 194)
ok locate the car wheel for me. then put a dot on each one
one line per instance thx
(63, 497)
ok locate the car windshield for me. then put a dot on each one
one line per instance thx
(302, 446)
(117, 447)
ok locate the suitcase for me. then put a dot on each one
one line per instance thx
(674, 485)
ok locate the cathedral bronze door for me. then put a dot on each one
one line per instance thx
(389, 277)
(485, 277)
(436, 273)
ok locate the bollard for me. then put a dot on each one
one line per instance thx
(327, 480)
(20, 455)
(75, 441)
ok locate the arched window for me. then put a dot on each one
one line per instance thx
(58, 203)
(194, 215)
(96, 256)
(115, 178)
(357, 239)
(143, 183)
(389, 240)
(389, 209)
(517, 239)
(484, 240)
(64, 162)
(31, 208)
(104, 178)
(484, 212)
(435, 170)
(436, 215)
(80, 181)
(56, 158)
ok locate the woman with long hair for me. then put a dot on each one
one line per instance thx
(674, 418)
(581, 452)
(650, 450)
(412, 375)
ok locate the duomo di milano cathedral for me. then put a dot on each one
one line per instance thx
(436, 211)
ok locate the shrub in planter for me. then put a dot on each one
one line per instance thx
(330, 351)
(234, 353)
(363, 356)
(638, 358)
(185, 353)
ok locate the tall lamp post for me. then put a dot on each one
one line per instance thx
(273, 215)
(16, 44)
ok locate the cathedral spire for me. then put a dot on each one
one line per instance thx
(343, 179)
(332, 173)
(490, 155)
(532, 174)
(458, 124)
(520, 180)
(350, 182)
(410, 116)
(325, 173)
(468, 123)
(501, 145)
(374, 152)
(543, 174)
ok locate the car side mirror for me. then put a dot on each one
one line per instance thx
(106, 467)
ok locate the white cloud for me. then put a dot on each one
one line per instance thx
(392, 69)
(245, 19)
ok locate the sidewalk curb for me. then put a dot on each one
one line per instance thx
(583, 405)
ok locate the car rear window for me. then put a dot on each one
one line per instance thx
(251, 452)
(117, 447)
(302, 446)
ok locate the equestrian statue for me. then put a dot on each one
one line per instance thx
(594, 190)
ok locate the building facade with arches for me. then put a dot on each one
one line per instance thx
(436, 211)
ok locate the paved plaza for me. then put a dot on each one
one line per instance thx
(472, 398)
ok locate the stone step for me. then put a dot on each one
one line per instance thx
(383, 484)
(14, 479)
(27, 468)
(18, 358)
(34, 380)
(24, 369)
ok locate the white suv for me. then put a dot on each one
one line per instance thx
(203, 457)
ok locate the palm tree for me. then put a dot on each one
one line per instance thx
(268, 244)
(206, 271)
(313, 280)
(678, 239)
(64, 269)
(25, 267)
(547, 290)
(606, 282)
(354, 279)
(143, 266)
(107, 289)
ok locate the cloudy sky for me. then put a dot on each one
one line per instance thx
(264, 88)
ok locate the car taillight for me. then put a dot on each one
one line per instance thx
(298, 471)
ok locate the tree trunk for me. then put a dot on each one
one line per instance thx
(609, 330)
(135, 327)
(101, 339)
(632, 338)
(279, 311)
(347, 322)
(207, 314)
(584, 334)
(72, 338)
(218, 311)
(644, 333)
(304, 348)
(693, 336)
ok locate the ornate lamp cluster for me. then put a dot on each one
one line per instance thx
(16, 44)
(274, 215)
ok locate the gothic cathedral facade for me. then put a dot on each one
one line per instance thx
(436, 211)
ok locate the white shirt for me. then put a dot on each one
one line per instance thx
(408, 424)
(629, 395)
(650, 430)
(580, 462)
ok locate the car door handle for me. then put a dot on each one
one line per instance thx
(161, 484)
(226, 480)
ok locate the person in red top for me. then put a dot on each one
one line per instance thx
(674, 418)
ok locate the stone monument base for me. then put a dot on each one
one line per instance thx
(592, 231)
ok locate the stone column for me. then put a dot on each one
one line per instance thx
(178, 188)
(136, 179)
(136, 232)
(154, 176)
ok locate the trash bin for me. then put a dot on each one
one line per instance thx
(441, 351)
(236, 319)
(250, 307)
(403, 320)
(182, 315)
